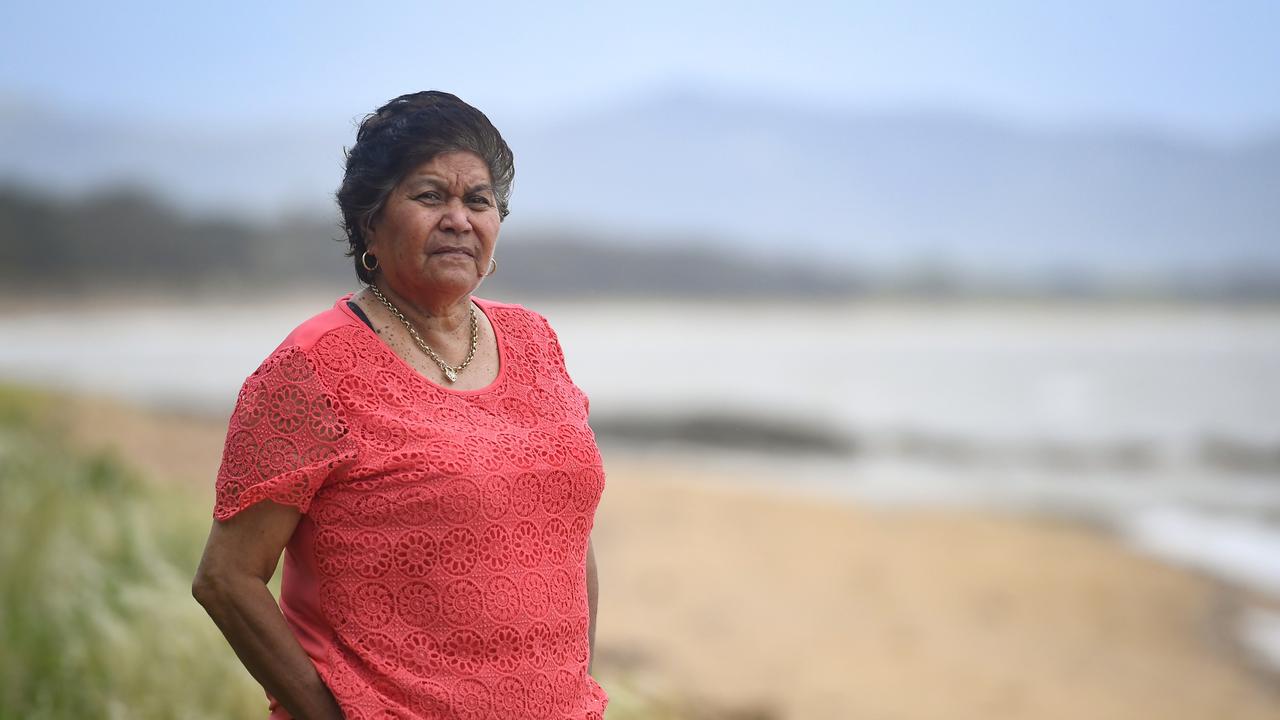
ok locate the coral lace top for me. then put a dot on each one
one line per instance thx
(439, 567)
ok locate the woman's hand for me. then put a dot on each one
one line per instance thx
(231, 583)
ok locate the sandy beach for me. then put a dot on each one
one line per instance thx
(799, 608)
(731, 602)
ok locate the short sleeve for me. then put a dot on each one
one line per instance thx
(286, 437)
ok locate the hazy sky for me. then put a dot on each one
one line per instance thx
(1208, 68)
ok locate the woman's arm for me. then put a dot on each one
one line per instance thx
(231, 583)
(593, 592)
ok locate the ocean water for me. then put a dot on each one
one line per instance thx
(1161, 422)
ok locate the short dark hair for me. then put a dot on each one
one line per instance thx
(403, 134)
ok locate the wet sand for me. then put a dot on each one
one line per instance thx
(737, 602)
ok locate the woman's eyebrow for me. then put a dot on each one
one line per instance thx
(435, 182)
(426, 180)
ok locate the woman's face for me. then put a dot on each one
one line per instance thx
(438, 229)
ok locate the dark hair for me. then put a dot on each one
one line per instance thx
(403, 134)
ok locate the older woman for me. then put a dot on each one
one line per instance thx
(422, 457)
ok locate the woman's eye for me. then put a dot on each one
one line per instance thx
(429, 195)
(480, 200)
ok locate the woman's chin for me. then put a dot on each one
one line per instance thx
(458, 280)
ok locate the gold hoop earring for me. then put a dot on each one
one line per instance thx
(493, 263)
(364, 261)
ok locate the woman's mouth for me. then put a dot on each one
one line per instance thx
(454, 250)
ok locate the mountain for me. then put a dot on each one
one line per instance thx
(758, 178)
(889, 188)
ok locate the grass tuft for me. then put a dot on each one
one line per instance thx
(96, 614)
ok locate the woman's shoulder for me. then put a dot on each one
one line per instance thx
(512, 310)
(488, 304)
(329, 339)
(308, 332)
(527, 324)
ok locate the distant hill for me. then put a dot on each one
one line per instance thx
(124, 238)
(753, 178)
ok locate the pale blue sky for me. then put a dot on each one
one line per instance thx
(1207, 68)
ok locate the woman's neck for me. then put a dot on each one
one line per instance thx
(442, 318)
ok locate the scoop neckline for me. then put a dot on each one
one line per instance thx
(498, 334)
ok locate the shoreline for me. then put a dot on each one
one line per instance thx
(666, 527)
(236, 295)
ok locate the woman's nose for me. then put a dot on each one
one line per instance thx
(455, 217)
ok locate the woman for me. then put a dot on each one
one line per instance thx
(423, 458)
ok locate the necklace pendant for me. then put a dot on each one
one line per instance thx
(450, 374)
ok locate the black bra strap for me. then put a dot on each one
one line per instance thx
(359, 313)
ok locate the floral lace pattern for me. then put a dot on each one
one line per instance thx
(439, 568)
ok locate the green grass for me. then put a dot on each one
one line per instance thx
(96, 614)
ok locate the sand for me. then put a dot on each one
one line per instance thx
(739, 602)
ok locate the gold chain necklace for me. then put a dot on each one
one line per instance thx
(450, 371)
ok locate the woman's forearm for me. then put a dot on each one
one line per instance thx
(247, 614)
(593, 593)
